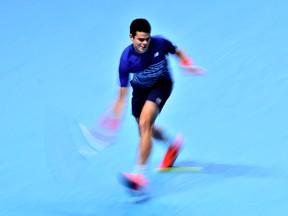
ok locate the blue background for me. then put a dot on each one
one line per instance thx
(59, 64)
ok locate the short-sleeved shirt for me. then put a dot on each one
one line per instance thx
(147, 68)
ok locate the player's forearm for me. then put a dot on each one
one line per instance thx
(122, 94)
(187, 63)
(184, 59)
(121, 101)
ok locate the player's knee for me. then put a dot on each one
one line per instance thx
(144, 126)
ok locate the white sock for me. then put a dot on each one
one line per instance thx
(141, 169)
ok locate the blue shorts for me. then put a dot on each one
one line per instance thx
(158, 93)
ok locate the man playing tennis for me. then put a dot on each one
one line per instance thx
(152, 84)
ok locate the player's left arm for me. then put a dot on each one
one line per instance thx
(187, 63)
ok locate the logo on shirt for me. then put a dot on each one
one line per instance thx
(156, 54)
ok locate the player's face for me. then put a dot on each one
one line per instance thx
(141, 41)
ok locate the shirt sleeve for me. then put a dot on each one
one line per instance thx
(169, 46)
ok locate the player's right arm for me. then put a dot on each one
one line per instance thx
(124, 85)
(121, 101)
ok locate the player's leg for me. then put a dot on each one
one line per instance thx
(145, 113)
(145, 123)
(155, 101)
(159, 96)
(138, 181)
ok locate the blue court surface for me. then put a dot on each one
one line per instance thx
(59, 66)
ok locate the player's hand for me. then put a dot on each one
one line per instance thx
(109, 122)
(193, 69)
(190, 68)
(111, 119)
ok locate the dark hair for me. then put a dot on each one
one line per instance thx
(141, 25)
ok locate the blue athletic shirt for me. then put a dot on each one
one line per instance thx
(148, 67)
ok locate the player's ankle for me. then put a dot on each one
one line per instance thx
(141, 169)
